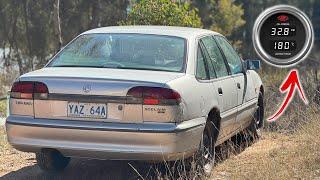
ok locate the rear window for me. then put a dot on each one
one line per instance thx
(124, 51)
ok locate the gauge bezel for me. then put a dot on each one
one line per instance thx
(302, 54)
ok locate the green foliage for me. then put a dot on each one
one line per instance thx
(163, 12)
(223, 16)
(228, 17)
(206, 11)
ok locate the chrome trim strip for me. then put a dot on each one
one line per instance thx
(107, 126)
(87, 98)
(248, 105)
(103, 99)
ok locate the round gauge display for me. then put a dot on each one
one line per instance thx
(282, 35)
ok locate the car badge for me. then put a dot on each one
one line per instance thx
(86, 88)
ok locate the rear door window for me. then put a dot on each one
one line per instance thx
(215, 56)
(201, 72)
(231, 55)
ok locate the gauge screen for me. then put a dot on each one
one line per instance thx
(282, 35)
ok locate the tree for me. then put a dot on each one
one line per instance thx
(206, 11)
(32, 31)
(57, 23)
(162, 12)
(223, 16)
(228, 17)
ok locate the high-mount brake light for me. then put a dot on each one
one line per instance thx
(154, 95)
(29, 90)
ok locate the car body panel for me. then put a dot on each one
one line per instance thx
(101, 73)
(131, 131)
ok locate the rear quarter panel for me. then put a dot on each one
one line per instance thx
(197, 98)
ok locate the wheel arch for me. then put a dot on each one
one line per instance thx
(215, 119)
(214, 112)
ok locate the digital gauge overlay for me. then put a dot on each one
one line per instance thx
(283, 35)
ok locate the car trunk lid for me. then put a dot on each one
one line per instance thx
(104, 90)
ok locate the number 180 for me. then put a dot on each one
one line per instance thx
(281, 45)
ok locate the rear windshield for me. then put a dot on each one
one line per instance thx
(124, 51)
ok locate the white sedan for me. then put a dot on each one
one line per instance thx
(148, 93)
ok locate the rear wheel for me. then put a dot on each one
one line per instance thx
(257, 121)
(51, 160)
(260, 111)
(202, 160)
(206, 152)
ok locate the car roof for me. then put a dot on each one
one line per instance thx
(184, 32)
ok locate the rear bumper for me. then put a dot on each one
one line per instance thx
(100, 140)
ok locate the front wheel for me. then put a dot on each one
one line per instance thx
(51, 160)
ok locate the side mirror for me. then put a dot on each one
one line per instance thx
(253, 64)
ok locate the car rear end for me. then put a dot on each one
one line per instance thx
(101, 113)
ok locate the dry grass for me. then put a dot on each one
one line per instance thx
(277, 156)
(290, 147)
(3, 108)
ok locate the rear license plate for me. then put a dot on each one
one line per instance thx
(87, 110)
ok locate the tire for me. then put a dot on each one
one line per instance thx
(51, 160)
(260, 111)
(257, 121)
(206, 153)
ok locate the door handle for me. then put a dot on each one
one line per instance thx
(220, 91)
(239, 85)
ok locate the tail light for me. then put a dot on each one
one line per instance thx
(29, 90)
(153, 96)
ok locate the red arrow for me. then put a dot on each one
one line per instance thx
(291, 84)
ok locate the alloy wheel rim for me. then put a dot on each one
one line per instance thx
(207, 154)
